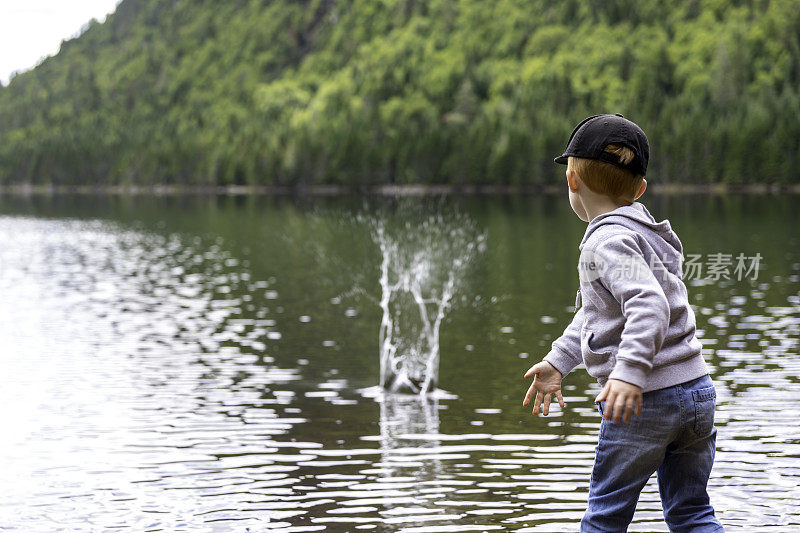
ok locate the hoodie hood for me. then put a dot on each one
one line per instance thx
(637, 218)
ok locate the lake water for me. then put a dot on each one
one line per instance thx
(205, 364)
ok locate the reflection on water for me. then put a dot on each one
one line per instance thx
(191, 367)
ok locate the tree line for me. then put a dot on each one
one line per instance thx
(360, 92)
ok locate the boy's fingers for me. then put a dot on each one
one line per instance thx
(546, 408)
(619, 407)
(603, 394)
(628, 410)
(536, 403)
(638, 405)
(528, 395)
(531, 371)
(560, 399)
(609, 405)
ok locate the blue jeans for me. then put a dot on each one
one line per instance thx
(675, 436)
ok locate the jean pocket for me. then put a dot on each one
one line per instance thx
(705, 402)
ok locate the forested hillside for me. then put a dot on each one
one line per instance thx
(287, 92)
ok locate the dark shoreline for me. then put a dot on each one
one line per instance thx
(379, 190)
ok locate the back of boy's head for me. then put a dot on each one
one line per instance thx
(610, 155)
(620, 184)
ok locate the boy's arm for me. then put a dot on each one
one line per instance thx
(644, 305)
(565, 352)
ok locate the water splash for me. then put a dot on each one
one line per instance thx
(421, 268)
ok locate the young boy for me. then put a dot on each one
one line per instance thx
(635, 333)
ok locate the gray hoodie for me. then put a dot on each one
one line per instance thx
(635, 323)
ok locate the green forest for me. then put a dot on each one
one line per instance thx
(363, 92)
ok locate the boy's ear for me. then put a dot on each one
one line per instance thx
(572, 180)
(641, 189)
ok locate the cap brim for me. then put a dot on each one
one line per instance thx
(561, 160)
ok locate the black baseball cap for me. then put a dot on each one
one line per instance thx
(590, 138)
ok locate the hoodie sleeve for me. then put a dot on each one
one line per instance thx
(625, 273)
(565, 352)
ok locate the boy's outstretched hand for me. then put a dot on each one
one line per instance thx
(546, 381)
(620, 396)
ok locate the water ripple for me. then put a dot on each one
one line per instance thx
(147, 387)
